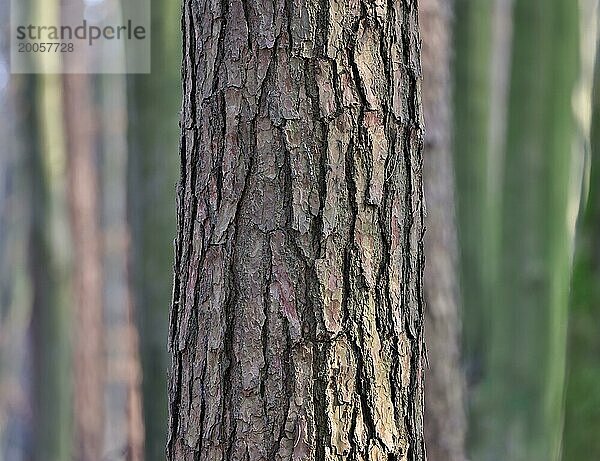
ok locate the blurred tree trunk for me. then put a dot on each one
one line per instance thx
(582, 415)
(50, 326)
(124, 426)
(83, 194)
(445, 424)
(473, 46)
(15, 350)
(296, 324)
(529, 315)
(87, 270)
(155, 100)
(51, 391)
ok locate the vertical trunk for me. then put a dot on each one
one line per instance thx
(124, 425)
(47, 265)
(49, 330)
(15, 422)
(82, 180)
(445, 423)
(83, 201)
(48, 258)
(296, 324)
(528, 338)
(582, 403)
(472, 38)
(152, 175)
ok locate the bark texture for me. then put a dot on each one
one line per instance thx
(297, 316)
(445, 424)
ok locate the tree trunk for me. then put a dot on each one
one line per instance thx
(124, 426)
(83, 201)
(155, 101)
(297, 316)
(582, 396)
(83, 195)
(50, 316)
(51, 398)
(529, 316)
(473, 45)
(445, 423)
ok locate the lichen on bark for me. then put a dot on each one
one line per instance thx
(296, 324)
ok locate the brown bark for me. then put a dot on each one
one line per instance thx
(135, 421)
(124, 425)
(296, 324)
(445, 423)
(87, 280)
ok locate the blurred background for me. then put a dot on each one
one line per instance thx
(88, 173)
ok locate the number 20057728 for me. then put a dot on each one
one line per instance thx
(47, 47)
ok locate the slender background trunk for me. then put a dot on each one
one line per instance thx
(87, 270)
(48, 261)
(472, 69)
(154, 104)
(297, 317)
(80, 124)
(445, 424)
(582, 399)
(528, 337)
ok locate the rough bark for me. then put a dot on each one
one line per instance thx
(297, 315)
(86, 235)
(445, 424)
(152, 176)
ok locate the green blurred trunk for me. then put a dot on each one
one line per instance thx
(522, 397)
(52, 406)
(582, 418)
(471, 124)
(472, 111)
(153, 167)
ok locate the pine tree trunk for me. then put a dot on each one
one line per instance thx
(50, 316)
(124, 426)
(582, 412)
(529, 316)
(83, 194)
(297, 316)
(155, 100)
(445, 423)
(87, 285)
(472, 38)
(51, 391)
(51, 399)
